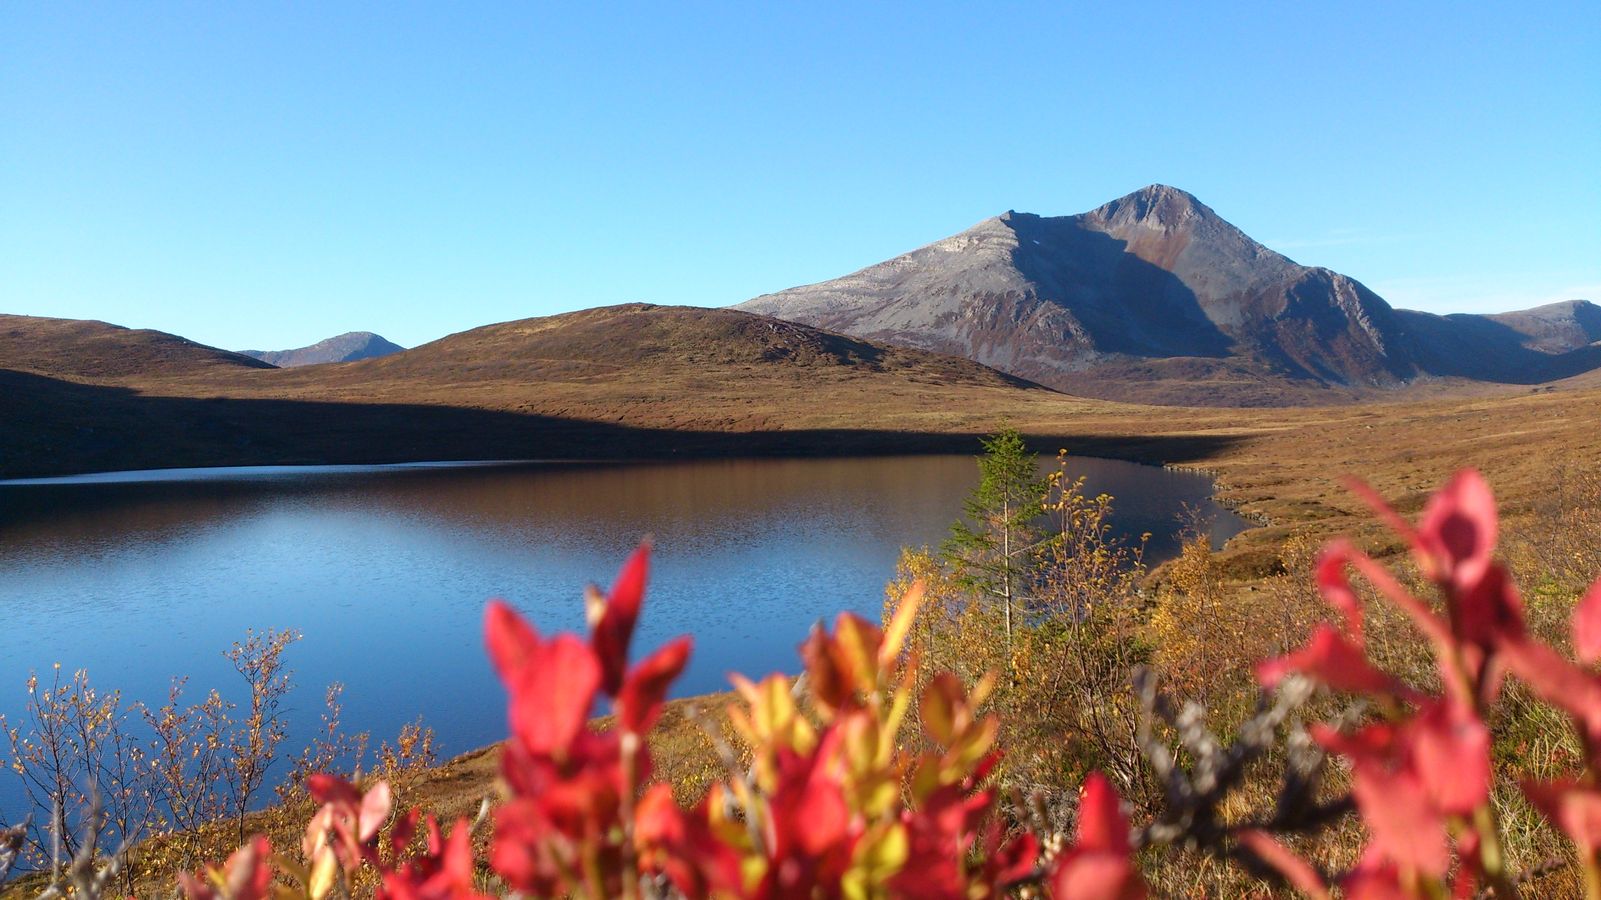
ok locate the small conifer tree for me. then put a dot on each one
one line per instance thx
(992, 548)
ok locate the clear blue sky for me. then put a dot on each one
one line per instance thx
(267, 174)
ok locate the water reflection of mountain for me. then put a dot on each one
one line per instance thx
(386, 573)
(691, 501)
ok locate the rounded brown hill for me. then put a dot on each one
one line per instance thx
(78, 348)
(641, 341)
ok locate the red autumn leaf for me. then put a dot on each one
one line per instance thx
(1404, 824)
(332, 789)
(1374, 739)
(405, 829)
(1336, 588)
(444, 873)
(1469, 850)
(1437, 631)
(1459, 529)
(810, 813)
(519, 853)
(195, 887)
(1331, 660)
(454, 877)
(374, 812)
(615, 629)
(1587, 626)
(1101, 824)
(681, 845)
(250, 870)
(1382, 509)
(828, 680)
(1012, 860)
(657, 818)
(1295, 870)
(552, 695)
(1098, 864)
(1407, 827)
(843, 664)
(1423, 617)
(510, 639)
(1375, 878)
(937, 841)
(247, 875)
(1449, 748)
(1489, 609)
(1097, 876)
(1454, 543)
(640, 702)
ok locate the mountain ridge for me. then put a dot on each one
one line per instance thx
(89, 348)
(347, 347)
(1154, 297)
(636, 380)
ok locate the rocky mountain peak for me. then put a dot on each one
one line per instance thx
(1157, 206)
(1153, 296)
(347, 347)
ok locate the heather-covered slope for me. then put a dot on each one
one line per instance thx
(80, 348)
(634, 380)
(644, 342)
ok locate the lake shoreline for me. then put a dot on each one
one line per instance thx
(645, 446)
(159, 575)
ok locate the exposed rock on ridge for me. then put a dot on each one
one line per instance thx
(1155, 297)
(347, 347)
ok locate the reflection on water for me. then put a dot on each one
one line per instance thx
(385, 571)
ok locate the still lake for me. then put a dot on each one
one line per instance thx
(139, 577)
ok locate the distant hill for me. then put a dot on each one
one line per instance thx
(1531, 346)
(644, 343)
(347, 347)
(1154, 297)
(1557, 327)
(616, 382)
(80, 348)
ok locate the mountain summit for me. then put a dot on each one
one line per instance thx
(347, 347)
(1151, 297)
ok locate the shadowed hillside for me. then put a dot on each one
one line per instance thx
(660, 382)
(623, 381)
(347, 347)
(70, 427)
(77, 348)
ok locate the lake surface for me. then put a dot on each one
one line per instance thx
(139, 577)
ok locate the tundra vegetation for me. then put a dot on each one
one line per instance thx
(1035, 715)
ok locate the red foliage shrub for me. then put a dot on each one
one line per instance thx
(832, 804)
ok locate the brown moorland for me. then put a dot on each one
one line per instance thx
(641, 380)
(82, 348)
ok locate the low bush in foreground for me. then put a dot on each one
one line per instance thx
(830, 792)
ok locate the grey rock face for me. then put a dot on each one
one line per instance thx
(347, 347)
(1154, 286)
(1525, 347)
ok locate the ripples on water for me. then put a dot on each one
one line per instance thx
(385, 570)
